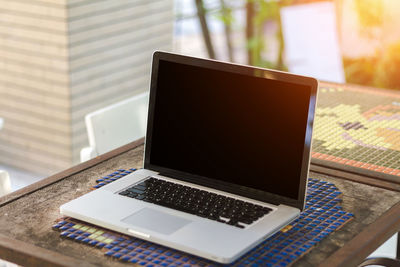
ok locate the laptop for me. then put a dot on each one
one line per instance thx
(226, 159)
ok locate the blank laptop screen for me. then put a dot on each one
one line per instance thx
(233, 128)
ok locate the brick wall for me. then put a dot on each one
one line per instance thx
(61, 59)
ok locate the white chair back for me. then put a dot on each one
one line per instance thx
(311, 41)
(5, 185)
(117, 125)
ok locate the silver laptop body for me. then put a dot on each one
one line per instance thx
(240, 132)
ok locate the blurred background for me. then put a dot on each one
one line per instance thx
(62, 59)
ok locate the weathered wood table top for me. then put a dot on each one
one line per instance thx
(27, 215)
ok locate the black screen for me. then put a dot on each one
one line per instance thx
(241, 129)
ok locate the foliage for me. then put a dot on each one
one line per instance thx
(388, 68)
(370, 12)
(225, 15)
(370, 17)
(360, 70)
(266, 11)
(381, 70)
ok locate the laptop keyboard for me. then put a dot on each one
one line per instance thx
(196, 201)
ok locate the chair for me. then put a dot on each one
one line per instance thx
(311, 41)
(386, 262)
(5, 184)
(115, 125)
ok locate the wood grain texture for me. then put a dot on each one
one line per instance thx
(29, 255)
(368, 240)
(68, 172)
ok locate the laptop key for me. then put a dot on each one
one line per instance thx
(140, 197)
(124, 193)
(232, 222)
(147, 199)
(133, 190)
(266, 209)
(225, 219)
(140, 187)
(172, 206)
(246, 220)
(132, 195)
(239, 225)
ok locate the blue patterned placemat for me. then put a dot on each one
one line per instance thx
(322, 216)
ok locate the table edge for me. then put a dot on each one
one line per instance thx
(354, 176)
(360, 87)
(26, 254)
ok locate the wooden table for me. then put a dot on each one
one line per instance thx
(26, 216)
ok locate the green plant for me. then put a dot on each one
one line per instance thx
(360, 70)
(388, 68)
(265, 11)
(259, 12)
(370, 15)
(381, 70)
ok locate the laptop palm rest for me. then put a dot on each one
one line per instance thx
(156, 221)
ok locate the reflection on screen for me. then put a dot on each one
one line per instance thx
(230, 127)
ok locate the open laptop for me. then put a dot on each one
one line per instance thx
(226, 159)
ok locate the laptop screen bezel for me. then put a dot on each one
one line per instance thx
(240, 69)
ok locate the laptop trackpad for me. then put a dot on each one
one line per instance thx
(156, 221)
